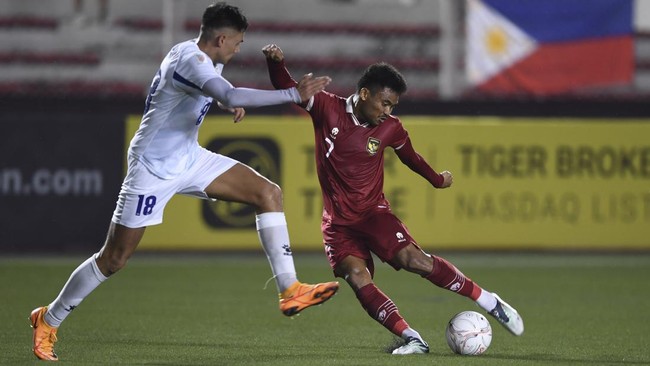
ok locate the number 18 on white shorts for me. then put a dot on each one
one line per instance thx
(144, 195)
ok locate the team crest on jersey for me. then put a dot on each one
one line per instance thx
(373, 145)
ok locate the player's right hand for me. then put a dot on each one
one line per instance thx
(273, 52)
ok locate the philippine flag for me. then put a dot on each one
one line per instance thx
(547, 47)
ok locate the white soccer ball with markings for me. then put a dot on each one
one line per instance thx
(469, 333)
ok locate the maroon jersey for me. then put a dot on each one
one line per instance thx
(350, 155)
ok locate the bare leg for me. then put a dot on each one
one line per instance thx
(445, 275)
(437, 270)
(120, 244)
(372, 299)
(242, 184)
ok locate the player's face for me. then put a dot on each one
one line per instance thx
(229, 44)
(375, 108)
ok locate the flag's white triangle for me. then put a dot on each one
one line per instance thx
(493, 42)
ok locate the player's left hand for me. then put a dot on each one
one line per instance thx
(238, 112)
(448, 179)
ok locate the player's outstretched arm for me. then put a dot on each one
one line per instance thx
(409, 157)
(231, 97)
(308, 86)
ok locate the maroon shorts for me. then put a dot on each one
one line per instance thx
(381, 233)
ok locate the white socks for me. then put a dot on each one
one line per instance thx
(486, 301)
(81, 283)
(411, 333)
(274, 236)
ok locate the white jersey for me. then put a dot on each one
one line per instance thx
(180, 96)
(167, 139)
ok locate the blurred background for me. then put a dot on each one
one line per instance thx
(539, 108)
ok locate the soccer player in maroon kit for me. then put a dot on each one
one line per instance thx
(350, 136)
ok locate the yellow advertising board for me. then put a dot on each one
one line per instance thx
(518, 184)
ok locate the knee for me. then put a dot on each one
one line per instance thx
(416, 261)
(420, 265)
(110, 263)
(269, 197)
(357, 278)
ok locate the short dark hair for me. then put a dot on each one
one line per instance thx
(381, 75)
(219, 15)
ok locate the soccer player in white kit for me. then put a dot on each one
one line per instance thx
(164, 159)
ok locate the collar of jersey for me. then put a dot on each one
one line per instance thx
(349, 107)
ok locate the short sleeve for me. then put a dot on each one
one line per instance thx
(193, 70)
(399, 135)
(319, 105)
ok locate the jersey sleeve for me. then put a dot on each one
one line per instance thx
(319, 106)
(220, 89)
(194, 69)
(281, 78)
(409, 157)
(400, 135)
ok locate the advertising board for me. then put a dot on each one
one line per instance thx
(519, 183)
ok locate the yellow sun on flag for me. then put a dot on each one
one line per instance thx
(496, 41)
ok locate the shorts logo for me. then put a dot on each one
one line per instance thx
(261, 154)
(400, 237)
(373, 145)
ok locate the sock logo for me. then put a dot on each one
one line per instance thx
(381, 316)
(455, 287)
(385, 311)
(70, 308)
(287, 249)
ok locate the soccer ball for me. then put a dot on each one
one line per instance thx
(469, 333)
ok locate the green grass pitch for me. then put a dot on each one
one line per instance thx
(212, 309)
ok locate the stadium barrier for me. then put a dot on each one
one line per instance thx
(519, 183)
(59, 180)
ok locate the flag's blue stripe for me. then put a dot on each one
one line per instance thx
(178, 77)
(568, 20)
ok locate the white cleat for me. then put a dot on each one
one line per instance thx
(507, 316)
(413, 346)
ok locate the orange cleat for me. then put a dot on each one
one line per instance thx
(300, 296)
(44, 335)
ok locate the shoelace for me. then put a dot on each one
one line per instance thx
(53, 338)
(500, 314)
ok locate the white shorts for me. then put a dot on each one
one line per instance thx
(143, 196)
